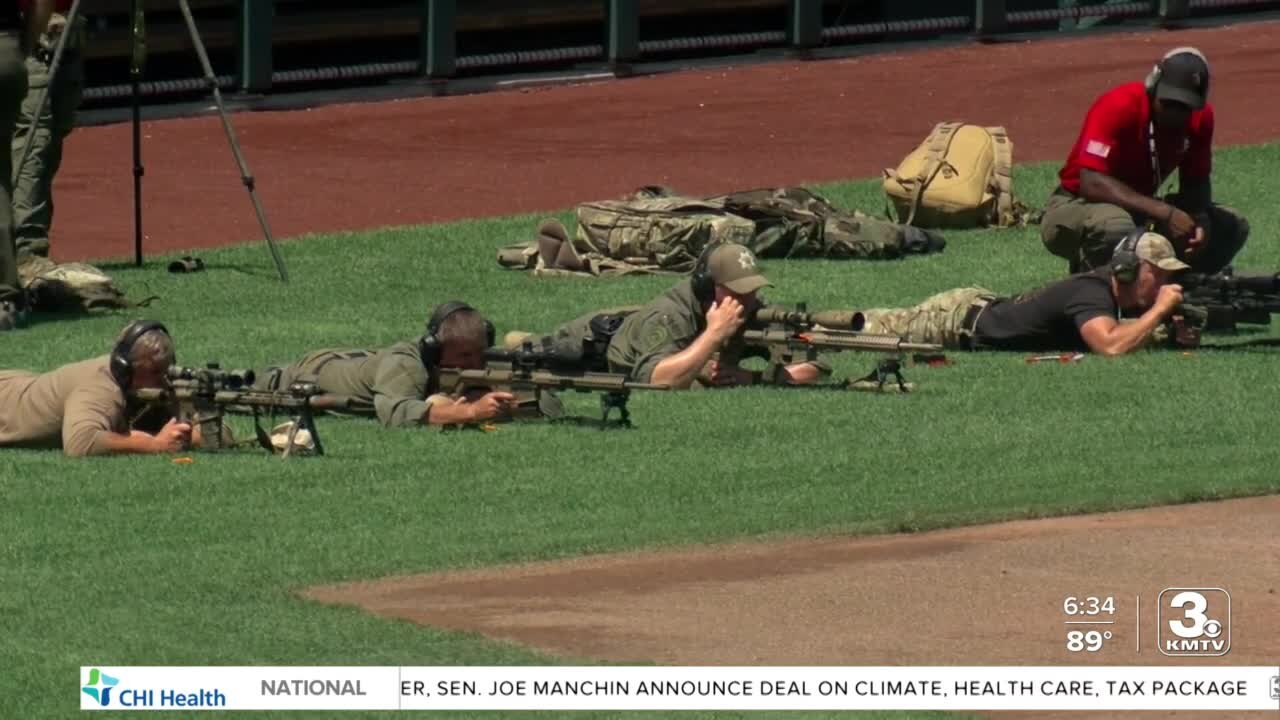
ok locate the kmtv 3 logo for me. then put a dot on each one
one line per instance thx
(1195, 622)
(100, 686)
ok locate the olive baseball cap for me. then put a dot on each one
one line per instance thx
(735, 267)
(1157, 250)
(1184, 78)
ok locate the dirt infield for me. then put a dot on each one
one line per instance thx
(423, 160)
(990, 595)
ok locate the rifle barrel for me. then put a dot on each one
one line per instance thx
(839, 340)
(1259, 283)
(242, 397)
(867, 341)
(584, 381)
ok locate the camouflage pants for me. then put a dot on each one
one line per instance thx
(939, 319)
(1086, 233)
(33, 188)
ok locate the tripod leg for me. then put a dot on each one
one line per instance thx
(137, 176)
(72, 15)
(137, 33)
(245, 176)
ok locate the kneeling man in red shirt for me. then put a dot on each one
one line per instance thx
(1134, 136)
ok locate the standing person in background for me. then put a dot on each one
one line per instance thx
(33, 187)
(19, 33)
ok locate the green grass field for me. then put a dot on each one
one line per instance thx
(139, 561)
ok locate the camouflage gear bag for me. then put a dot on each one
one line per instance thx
(794, 222)
(70, 287)
(657, 231)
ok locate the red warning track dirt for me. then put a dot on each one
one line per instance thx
(358, 166)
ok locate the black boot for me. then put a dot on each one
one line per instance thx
(9, 315)
(917, 240)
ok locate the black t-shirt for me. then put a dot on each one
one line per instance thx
(1048, 318)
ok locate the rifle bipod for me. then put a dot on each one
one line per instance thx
(885, 369)
(304, 420)
(614, 400)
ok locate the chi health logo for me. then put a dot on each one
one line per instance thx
(99, 686)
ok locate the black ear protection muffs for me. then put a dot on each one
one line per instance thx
(704, 287)
(1125, 260)
(429, 345)
(121, 366)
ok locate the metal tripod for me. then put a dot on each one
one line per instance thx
(135, 73)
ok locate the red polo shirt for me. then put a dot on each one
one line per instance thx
(1114, 141)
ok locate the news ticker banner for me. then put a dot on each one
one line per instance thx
(1222, 688)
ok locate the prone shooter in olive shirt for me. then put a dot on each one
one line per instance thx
(689, 336)
(395, 383)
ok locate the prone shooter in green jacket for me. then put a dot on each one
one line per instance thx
(396, 383)
(689, 334)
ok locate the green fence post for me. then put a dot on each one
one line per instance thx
(253, 37)
(804, 24)
(1171, 11)
(438, 36)
(622, 45)
(989, 18)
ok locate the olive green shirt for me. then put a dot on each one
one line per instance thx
(73, 407)
(390, 383)
(665, 327)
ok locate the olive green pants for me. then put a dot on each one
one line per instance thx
(1085, 234)
(33, 188)
(13, 86)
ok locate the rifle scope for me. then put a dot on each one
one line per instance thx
(833, 319)
(212, 375)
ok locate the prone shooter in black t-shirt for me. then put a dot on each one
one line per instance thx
(1081, 312)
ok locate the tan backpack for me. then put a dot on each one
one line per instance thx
(960, 176)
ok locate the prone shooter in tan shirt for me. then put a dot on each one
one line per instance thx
(81, 406)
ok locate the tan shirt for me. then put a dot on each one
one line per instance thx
(71, 407)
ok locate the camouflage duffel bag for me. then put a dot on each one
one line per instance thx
(657, 231)
(795, 222)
